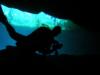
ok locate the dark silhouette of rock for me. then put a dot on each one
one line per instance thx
(73, 10)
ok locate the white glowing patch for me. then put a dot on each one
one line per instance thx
(19, 18)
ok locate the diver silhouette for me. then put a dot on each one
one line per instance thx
(41, 40)
(47, 42)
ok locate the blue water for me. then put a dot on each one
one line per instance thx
(75, 39)
(75, 42)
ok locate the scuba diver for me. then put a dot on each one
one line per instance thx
(40, 40)
(48, 42)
